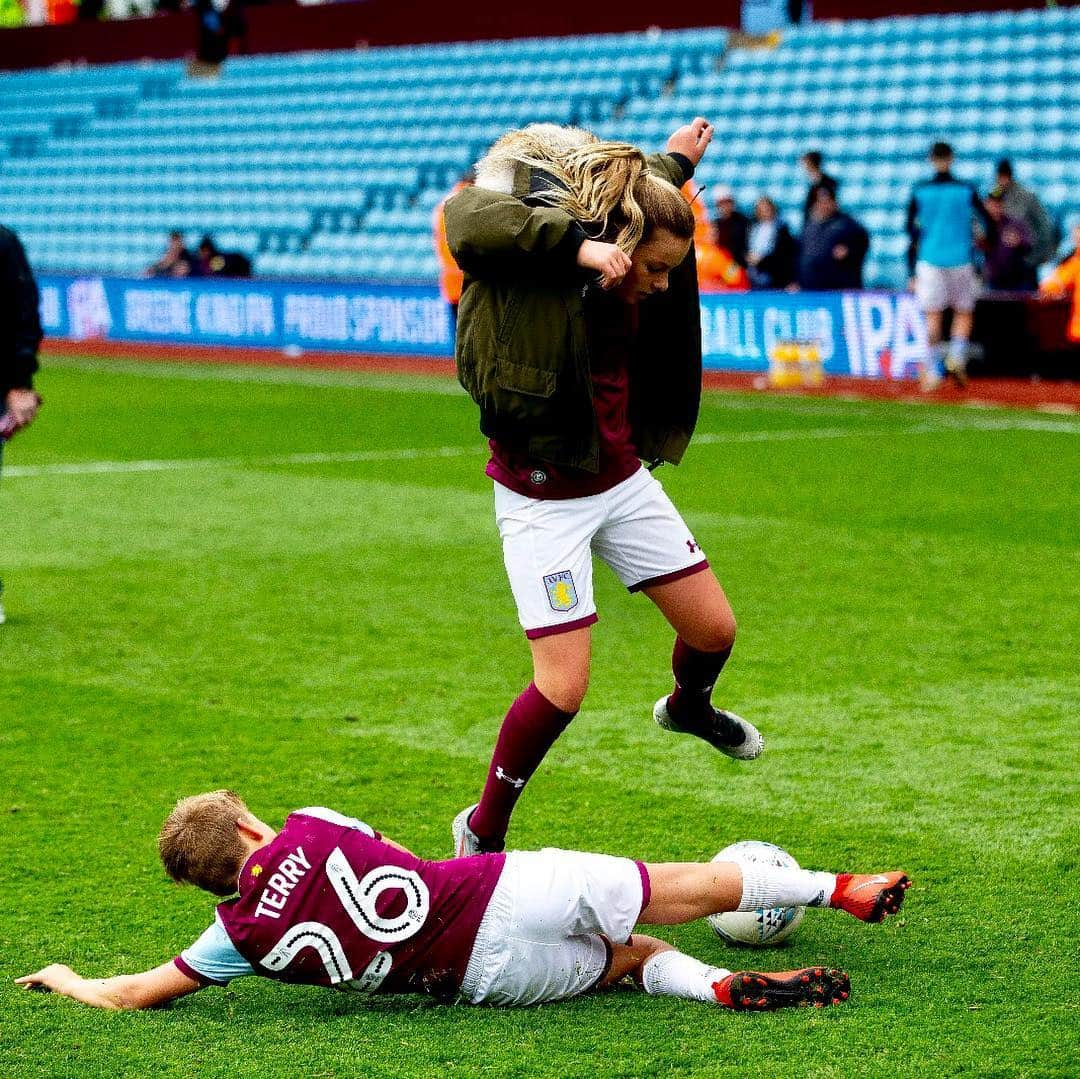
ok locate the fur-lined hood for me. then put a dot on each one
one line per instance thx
(497, 171)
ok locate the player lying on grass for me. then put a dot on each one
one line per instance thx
(328, 901)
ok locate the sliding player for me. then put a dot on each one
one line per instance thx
(579, 338)
(328, 901)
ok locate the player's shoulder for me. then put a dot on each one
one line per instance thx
(332, 816)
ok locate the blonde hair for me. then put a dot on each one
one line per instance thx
(606, 186)
(199, 843)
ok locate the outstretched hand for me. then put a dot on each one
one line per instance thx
(691, 140)
(53, 978)
(611, 262)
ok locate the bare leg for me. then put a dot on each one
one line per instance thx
(931, 375)
(956, 362)
(933, 328)
(685, 891)
(698, 611)
(561, 667)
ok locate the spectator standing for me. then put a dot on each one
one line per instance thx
(771, 249)
(731, 226)
(451, 277)
(1023, 205)
(833, 248)
(177, 260)
(1007, 245)
(941, 221)
(717, 271)
(20, 336)
(811, 163)
(1065, 281)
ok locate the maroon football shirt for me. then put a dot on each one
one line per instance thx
(610, 324)
(328, 904)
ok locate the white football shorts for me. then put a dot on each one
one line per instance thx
(937, 288)
(546, 933)
(548, 546)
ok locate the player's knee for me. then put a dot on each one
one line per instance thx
(565, 689)
(718, 635)
(571, 691)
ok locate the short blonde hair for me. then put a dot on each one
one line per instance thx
(199, 843)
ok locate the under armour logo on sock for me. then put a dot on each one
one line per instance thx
(506, 778)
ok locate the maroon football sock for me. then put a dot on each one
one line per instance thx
(695, 675)
(528, 732)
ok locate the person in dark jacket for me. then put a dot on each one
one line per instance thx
(772, 250)
(833, 247)
(811, 163)
(584, 355)
(1022, 204)
(1007, 246)
(20, 336)
(731, 227)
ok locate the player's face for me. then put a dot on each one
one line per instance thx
(650, 265)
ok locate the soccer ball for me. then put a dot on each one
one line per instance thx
(765, 927)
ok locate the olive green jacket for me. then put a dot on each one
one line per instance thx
(522, 351)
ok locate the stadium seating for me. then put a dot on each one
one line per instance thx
(329, 164)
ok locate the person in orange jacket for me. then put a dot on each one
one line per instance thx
(717, 270)
(451, 278)
(1065, 281)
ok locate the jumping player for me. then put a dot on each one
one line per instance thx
(328, 901)
(579, 338)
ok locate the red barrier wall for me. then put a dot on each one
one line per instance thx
(282, 27)
(851, 9)
(285, 28)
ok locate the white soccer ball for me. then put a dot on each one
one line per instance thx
(767, 926)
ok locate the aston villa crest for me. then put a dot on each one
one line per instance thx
(562, 595)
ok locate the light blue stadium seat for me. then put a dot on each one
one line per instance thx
(308, 161)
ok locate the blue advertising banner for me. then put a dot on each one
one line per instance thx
(251, 314)
(868, 334)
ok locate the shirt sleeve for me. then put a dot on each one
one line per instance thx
(332, 816)
(913, 232)
(213, 958)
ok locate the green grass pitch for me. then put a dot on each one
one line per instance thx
(290, 583)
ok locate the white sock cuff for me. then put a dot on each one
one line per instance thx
(770, 886)
(675, 974)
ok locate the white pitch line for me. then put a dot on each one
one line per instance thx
(93, 468)
(346, 378)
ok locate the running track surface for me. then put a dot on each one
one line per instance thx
(981, 393)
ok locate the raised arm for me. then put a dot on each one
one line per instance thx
(484, 226)
(126, 991)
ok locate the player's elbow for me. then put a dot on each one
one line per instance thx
(130, 995)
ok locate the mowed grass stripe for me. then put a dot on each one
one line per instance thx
(341, 631)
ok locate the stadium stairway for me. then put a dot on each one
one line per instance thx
(328, 165)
